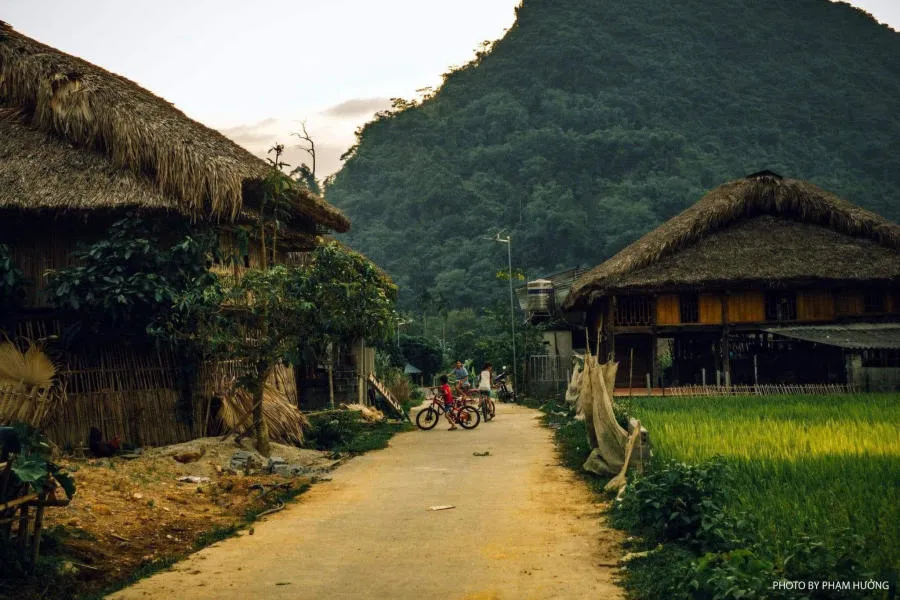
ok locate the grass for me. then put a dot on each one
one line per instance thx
(810, 465)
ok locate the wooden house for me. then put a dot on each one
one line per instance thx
(764, 280)
(80, 147)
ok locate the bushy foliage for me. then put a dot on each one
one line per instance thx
(592, 122)
(135, 278)
(679, 502)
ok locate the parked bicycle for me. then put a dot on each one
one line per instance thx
(467, 416)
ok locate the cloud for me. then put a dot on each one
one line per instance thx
(264, 131)
(357, 107)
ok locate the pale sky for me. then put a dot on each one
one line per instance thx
(254, 70)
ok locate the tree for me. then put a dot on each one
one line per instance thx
(353, 297)
(306, 174)
(261, 322)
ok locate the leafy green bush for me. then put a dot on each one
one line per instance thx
(333, 430)
(731, 576)
(679, 502)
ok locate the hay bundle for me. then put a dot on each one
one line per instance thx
(369, 414)
(26, 383)
(33, 369)
(285, 421)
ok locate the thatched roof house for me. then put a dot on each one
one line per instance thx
(736, 283)
(762, 230)
(80, 139)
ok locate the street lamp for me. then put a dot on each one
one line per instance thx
(512, 311)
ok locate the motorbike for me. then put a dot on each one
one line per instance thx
(504, 394)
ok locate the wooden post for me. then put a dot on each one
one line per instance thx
(22, 539)
(36, 538)
(649, 387)
(654, 357)
(703, 376)
(726, 358)
(611, 328)
(630, 371)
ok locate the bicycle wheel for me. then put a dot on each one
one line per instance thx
(486, 413)
(492, 408)
(468, 417)
(427, 419)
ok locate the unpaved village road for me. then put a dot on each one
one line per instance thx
(522, 527)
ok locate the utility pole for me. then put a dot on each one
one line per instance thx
(512, 311)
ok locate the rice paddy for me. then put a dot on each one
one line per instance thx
(802, 465)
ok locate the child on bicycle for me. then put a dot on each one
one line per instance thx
(447, 395)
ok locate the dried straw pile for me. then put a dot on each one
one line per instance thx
(286, 422)
(369, 413)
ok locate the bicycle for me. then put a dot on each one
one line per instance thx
(465, 415)
(481, 400)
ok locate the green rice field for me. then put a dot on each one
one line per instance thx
(803, 465)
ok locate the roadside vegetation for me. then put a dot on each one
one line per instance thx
(743, 492)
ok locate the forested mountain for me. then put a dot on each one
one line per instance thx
(592, 121)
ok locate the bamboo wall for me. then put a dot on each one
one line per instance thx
(815, 305)
(746, 307)
(668, 310)
(38, 254)
(122, 393)
(710, 309)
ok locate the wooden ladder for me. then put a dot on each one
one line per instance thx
(382, 389)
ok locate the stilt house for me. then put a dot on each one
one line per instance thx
(764, 280)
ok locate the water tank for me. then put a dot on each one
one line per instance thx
(540, 296)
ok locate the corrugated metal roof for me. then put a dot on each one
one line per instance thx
(858, 336)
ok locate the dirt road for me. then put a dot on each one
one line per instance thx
(522, 527)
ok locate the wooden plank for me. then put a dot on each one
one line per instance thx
(667, 310)
(710, 309)
(746, 307)
(849, 303)
(815, 305)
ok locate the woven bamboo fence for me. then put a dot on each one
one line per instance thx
(34, 406)
(123, 393)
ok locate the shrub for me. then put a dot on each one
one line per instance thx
(678, 502)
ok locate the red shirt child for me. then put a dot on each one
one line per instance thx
(447, 394)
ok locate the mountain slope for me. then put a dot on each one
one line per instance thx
(593, 121)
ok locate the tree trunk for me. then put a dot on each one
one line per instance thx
(260, 427)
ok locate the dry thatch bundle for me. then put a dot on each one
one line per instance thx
(755, 230)
(285, 421)
(105, 124)
(369, 414)
(31, 369)
(26, 385)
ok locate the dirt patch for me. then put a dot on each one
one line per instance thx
(128, 513)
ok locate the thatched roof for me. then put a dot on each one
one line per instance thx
(124, 146)
(760, 230)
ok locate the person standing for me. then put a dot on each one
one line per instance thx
(485, 378)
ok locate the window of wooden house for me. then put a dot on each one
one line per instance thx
(873, 302)
(781, 306)
(689, 308)
(635, 311)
